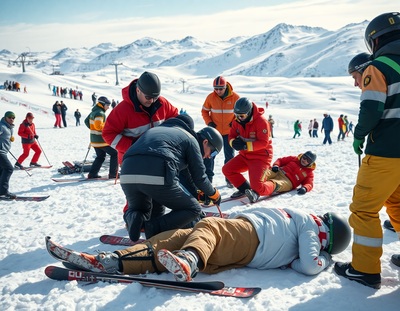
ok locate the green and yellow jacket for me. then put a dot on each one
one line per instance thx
(95, 122)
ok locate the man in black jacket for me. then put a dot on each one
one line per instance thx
(150, 171)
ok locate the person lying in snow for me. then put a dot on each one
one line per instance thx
(290, 172)
(270, 239)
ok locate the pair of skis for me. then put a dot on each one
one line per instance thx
(70, 257)
(23, 198)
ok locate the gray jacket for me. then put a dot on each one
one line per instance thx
(6, 131)
(288, 237)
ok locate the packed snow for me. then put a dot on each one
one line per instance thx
(77, 214)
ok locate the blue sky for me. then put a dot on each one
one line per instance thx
(44, 25)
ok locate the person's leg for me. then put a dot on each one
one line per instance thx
(209, 164)
(233, 170)
(113, 170)
(229, 152)
(142, 258)
(98, 162)
(26, 148)
(35, 147)
(6, 170)
(375, 186)
(223, 244)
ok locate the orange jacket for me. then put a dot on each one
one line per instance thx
(220, 111)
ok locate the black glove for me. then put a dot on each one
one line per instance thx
(238, 144)
(301, 190)
(202, 198)
(275, 168)
(230, 124)
(36, 136)
(212, 124)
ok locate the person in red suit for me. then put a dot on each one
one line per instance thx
(250, 134)
(28, 138)
(288, 173)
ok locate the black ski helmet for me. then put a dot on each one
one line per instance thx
(213, 137)
(339, 232)
(379, 26)
(359, 63)
(311, 157)
(242, 106)
(103, 100)
(149, 84)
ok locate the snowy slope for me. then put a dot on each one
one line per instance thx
(75, 215)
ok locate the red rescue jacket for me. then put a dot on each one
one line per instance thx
(257, 135)
(128, 120)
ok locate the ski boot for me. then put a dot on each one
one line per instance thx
(182, 264)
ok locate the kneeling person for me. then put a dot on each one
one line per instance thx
(150, 176)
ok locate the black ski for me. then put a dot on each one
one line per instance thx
(18, 198)
(212, 288)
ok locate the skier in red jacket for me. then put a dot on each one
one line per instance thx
(250, 134)
(141, 109)
(28, 133)
(290, 172)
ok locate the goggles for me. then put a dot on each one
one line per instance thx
(11, 118)
(308, 160)
(151, 97)
(219, 88)
(241, 116)
(214, 151)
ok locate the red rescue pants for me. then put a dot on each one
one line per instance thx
(27, 147)
(234, 168)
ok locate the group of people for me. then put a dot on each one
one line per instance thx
(344, 127)
(163, 159)
(62, 92)
(160, 153)
(60, 112)
(13, 86)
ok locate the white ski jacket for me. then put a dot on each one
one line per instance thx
(289, 237)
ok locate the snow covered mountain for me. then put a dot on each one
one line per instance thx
(284, 51)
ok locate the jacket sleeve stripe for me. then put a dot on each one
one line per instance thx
(374, 95)
(393, 89)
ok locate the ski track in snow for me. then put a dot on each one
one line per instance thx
(77, 214)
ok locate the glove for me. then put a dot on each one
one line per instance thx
(202, 198)
(358, 145)
(275, 168)
(301, 190)
(216, 197)
(36, 136)
(12, 138)
(238, 144)
(230, 124)
(212, 124)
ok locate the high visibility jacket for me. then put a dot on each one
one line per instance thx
(95, 122)
(220, 111)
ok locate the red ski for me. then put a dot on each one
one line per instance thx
(21, 198)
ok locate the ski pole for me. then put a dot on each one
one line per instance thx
(359, 160)
(20, 164)
(116, 177)
(219, 211)
(84, 161)
(40, 146)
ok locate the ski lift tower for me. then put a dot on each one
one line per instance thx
(116, 71)
(22, 58)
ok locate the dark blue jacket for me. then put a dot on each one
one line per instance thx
(177, 145)
(327, 124)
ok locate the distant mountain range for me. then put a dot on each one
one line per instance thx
(284, 51)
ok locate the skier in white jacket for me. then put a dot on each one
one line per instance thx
(274, 238)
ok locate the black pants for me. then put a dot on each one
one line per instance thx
(64, 120)
(101, 156)
(78, 121)
(150, 194)
(6, 170)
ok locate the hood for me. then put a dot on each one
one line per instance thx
(173, 122)
(97, 107)
(126, 92)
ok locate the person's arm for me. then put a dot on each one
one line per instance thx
(22, 133)
(206, 111)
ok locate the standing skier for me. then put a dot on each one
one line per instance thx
(250, 134)
(95, 122)
(6, 168)
(64, 113)
(297, 128)
(77, 116)
(378, 177)
(150, 171)
(327, 125)
(268, 239)
(217, 112)
(28, 135)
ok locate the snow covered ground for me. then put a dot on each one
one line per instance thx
(76, 214)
